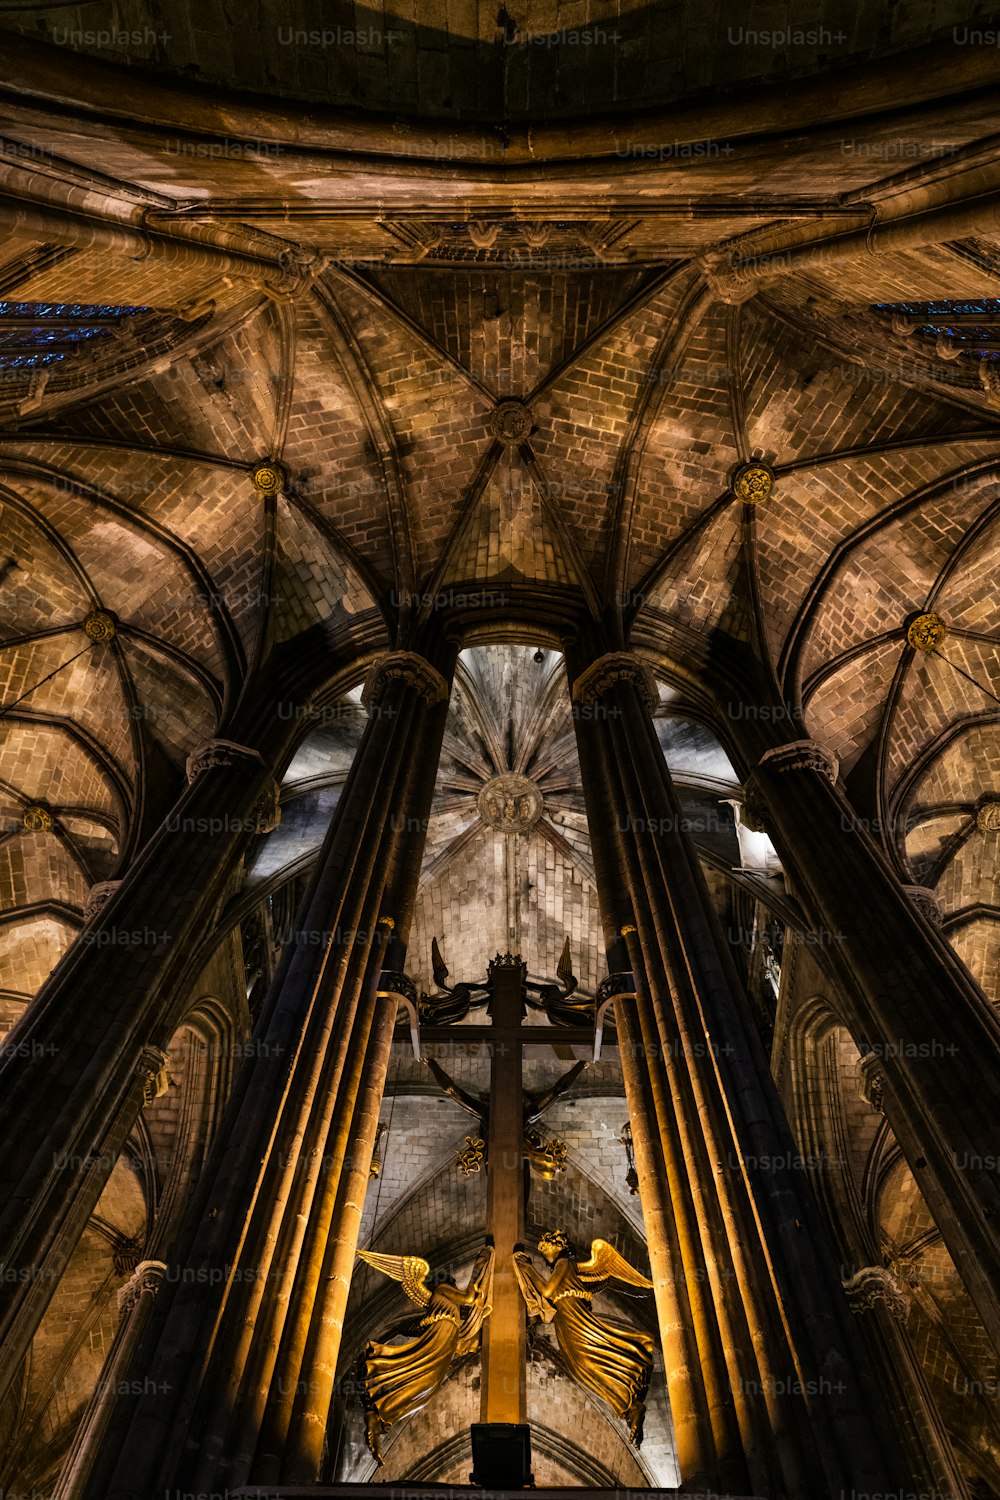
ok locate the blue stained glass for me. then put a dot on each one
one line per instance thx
(28, 361)
(66, 310)
(990, 305)
(58, 323)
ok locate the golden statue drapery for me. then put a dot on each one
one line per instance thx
(399, 1379)
(607, 1357)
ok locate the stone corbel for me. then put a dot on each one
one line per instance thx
(265, 814)
(212, 754)
(926, 903)
(871, 1079)
(152, 1069)
(729, 283)
(298, 270)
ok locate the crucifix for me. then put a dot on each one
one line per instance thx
(505, 1286)
(504, 1342)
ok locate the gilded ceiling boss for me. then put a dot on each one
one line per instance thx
(399, 1379)
(609, 1358)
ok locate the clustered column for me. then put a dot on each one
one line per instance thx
(74, 1070)
(244, 1333)
(778, 1387)
(910, 1004)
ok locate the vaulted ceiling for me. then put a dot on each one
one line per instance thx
(193, 282)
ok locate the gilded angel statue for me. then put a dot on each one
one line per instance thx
(609, 1358)
(399, 1379)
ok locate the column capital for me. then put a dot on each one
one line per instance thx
(874, 1285)
(801, 755)
(926, 902)
(145, 1278)
(98, 896)
(415, 670)
(608, 670)
(212, 754)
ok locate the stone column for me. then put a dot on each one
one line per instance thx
(134, 1301)
(72, 1072)
(227, 1326)
(908, 1001)
(292, 1443)
(807, 1406)
(708, 1447)
(882, 1304)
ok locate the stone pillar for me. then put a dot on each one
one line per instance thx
(240, 1297)
(134, 1301)
(292, 1443)
(807, 1406)
(708, 1447)
(912, 1007)
(72, 1073)
(882, 1303)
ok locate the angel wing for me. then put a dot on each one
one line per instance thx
(564, 970)
(537, 1303)
(606, 1264)
(438, 965)
(411, 1270)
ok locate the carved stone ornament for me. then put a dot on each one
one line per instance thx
(297, 269)
(926, 902)
(145, 1278)
(412, 669)
(729, 283)
(801, 755)
(988, 817)
(925, 632)
(989, 379)
(269, 477)
(608, 670)
(125, 1254)
(875, 1285)
(753, 482)
(212, 754)
(100, 626)
(754, 812)
(871, 1079)
(510, 803)
(152, 1069)
(511, 422)
(266, 812)
(37, 819)
(98, 896)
